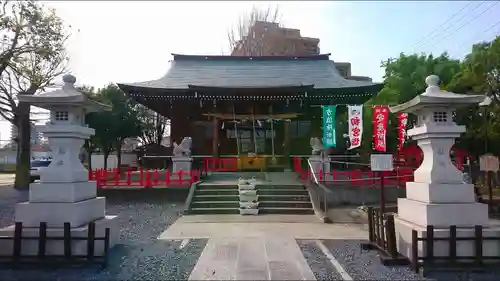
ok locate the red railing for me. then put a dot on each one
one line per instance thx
(361, 178)
(356, 177)
(146, 178)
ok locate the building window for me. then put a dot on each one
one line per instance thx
(440, 117)
(62, 116)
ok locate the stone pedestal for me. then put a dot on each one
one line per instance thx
(438, 196)
(64, 193)
(318, 164)
(181, 163)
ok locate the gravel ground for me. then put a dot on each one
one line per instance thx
(138, 256)
(365, 265)
(317, 261)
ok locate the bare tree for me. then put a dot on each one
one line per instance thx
(242, 39)
(154, 125)
(32, 55)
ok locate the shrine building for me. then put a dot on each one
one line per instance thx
(252, 108)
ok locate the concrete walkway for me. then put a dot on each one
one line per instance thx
(7, 179)
(258, 249)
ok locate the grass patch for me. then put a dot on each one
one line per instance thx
(7, 168)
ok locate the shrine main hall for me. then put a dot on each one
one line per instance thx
(253, 108)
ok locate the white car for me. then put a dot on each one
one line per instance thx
(37, 166)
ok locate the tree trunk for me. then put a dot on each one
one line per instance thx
(119, 154)
(105, 155)
(22, 180)
(89, 160)
(158, 128)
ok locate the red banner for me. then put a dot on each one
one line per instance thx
(380, 116)
(402, 121)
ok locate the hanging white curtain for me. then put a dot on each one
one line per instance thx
(355, 119)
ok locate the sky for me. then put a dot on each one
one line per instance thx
(132, 41)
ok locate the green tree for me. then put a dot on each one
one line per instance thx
(32, 54)
(403, 80)
(480, 74)
(114, 126)
(480, 71)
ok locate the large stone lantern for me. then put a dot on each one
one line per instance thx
(438, 196)
(64, 193)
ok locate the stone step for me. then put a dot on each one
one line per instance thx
(204, 211)
(216, 197)
(283, 197)
(216, 192)
(278, 210)
(272, 191)
(291, 186)
(285, 204)
(216, 204)
(217, 186)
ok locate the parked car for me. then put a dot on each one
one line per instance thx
(37, 166)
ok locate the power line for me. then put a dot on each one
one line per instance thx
(463, 25)
(438, 27)
(450, 26)
(486, 30)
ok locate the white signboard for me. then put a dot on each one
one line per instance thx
(488, 163)
(381, 162)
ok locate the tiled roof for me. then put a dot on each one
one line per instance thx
(251, 72)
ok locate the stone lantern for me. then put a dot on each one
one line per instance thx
(438, 196)
(64, 192)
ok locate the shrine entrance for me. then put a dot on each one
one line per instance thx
(255, 139)
(250, 137)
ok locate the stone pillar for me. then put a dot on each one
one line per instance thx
(319, 165)
(181, 163)
(64, 193)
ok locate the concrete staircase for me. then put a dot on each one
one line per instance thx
(274, 199)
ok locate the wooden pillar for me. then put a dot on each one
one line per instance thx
(215, 137)
(286, 143)
(180, 126)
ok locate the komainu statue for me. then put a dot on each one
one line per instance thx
(317, 146)
(183, 149)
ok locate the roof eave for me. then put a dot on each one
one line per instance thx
(178, 57)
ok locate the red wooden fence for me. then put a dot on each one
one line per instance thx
(142, 178)
(355, 177)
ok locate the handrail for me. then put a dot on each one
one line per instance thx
(325, 190)
(320, 205)
(187, 203)
(313, 173)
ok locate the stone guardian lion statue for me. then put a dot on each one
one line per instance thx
(183, 149)
(317, 146)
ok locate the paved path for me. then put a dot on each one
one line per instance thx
(260, 248)
(186, 229)
(258, 258)
(6, 179)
